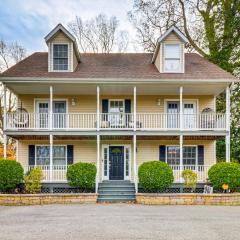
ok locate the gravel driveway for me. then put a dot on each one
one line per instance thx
(119, 221)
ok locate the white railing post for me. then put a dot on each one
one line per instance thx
(181, 107)
(51, 156)
(98, 108)
(98, 163)
(227, 139)
(51, 108)
(181, 156)
(135, 107)
(135, 162)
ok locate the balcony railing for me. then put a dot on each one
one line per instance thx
(57, 173)
(123, 121)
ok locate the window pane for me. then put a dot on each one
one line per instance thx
(60, 57)
(42, 155)
(173, 155)
(172, 65)
(105, 161)
(127, 162)
(59, 155)
(172, 51)
(60, 51)
(189, 155)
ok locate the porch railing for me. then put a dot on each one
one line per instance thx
(57, 173)
(201, 170)
(88, 121)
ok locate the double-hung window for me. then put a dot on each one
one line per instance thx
(43, 155)
(189, 155)
(60, 57)
(172, 57)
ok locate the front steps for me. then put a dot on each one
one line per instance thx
(117, 191)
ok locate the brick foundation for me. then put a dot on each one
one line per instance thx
(188, 199)
(38, 199)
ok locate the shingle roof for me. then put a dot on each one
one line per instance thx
(117, 65)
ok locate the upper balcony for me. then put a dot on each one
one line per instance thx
(115, 121)
(84, 108)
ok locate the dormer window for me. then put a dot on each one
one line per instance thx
(60, 57)
(172, 58)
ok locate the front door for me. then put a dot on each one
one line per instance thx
(116, 163)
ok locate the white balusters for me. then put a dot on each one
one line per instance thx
(201, 170)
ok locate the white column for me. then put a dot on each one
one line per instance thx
(51, 156)
(228, 125)
(135, 162)
(181, 107)
(98, 108)
(4, 122)
(51, 108)
(98, 162)
(135, 107)
(181, 155)
(4, 107)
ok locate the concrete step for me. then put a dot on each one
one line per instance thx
(116, 191)
(116, 200)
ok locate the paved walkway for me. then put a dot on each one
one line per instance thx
(119, 221)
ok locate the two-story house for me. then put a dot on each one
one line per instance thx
(116, 110)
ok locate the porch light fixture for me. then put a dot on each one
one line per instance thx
(158, 101)
(73, 101)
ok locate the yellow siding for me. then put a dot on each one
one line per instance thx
(148, 150)
(145, 103)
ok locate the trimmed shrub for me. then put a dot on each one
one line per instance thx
(82, 175)
(225, 173)
(154, 176)
(33, 180)
(11, 175)
(190, 179)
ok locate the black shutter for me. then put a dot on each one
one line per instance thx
(105, 109)
(162, 153)
(69, 154)
(200, 155)
(105, 106)
(31, 154)
(127, 105)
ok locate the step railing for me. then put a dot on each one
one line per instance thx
(121, 121)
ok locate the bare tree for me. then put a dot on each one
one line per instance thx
(10, 54)
(99, 35)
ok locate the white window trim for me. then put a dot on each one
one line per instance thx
(69, 56)
(115, 100)
(180, 70)
(130, 160)
(47, 145)
(47, 100)
(196, 146)
(195, 101)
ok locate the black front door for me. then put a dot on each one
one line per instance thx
(116, 163)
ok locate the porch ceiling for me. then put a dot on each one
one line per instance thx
(119, 88)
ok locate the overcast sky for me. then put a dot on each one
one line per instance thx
(29, 21)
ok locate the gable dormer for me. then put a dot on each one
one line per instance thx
(63, 54)
(169, 53)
